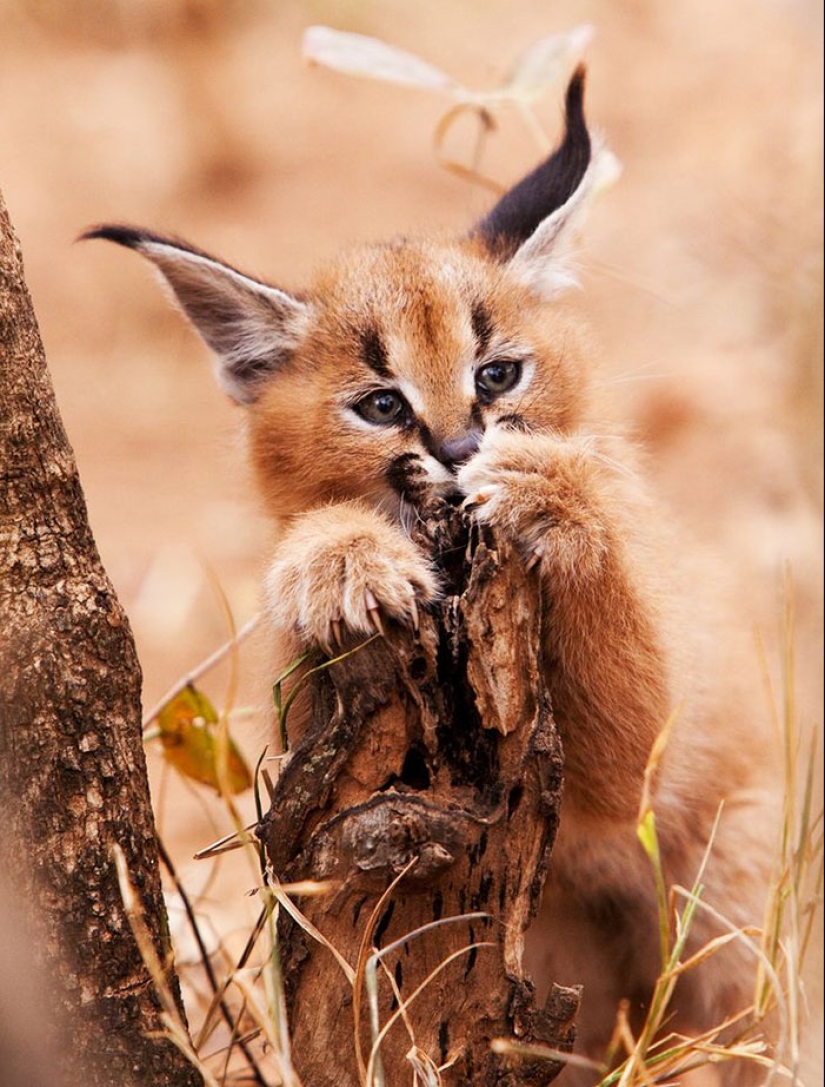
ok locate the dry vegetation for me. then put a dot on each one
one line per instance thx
(703, 271)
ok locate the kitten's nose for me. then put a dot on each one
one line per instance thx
(455, 451)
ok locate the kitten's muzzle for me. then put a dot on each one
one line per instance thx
(456, 451)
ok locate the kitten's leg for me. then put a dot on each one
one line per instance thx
(572, 508)
(345, 567)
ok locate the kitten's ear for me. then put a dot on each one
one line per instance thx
(251, 327)
(533, 227)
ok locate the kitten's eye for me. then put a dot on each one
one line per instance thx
(382, 406)
(497, 377)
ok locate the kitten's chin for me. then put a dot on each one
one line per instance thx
(439, 477)
(415, 484)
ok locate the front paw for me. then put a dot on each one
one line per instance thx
(345, 568)
(541, 490)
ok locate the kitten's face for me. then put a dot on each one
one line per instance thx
(385, 375)
(410, 352)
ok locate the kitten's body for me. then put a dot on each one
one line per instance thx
(456, 365)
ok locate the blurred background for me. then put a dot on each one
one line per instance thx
(702, 268)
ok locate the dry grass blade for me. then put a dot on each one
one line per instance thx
(472, 173)
(176, 1030)
(371, 1079)
(539, 67)
(267, 1025)
(280, 893)
(230, 842)
(370, 58)
(283, 706)
(191, 678)
(674, 929)
(711, 948)
(510, 1047)
(653, 761)
(425, 1072)
(396, 945)
(365, 977)
(396, 992)
(252, 940)
(250, 1036)
(646, 832)
(766, 965)
(360, 966)
(544, 63)
(795, 895)
(208, 970)
(276, 999)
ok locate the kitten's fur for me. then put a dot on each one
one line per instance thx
(390, 370)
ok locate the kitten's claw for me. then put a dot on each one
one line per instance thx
(374, 612)
(534, 558)
(482, 495)
(343, 574)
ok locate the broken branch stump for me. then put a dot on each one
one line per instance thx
(431, 760)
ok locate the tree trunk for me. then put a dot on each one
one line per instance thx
(72, 774)
(436, 751)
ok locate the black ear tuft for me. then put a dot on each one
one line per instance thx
(138, 238)
(519, 212)
(113, 232)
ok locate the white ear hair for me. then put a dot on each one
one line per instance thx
(251, 327)
(544, 262)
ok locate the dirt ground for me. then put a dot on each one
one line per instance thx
(702, 269)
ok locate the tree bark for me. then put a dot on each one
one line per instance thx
(73, 779)
(436, 751)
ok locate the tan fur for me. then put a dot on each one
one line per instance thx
(575, 501)
(617, 655)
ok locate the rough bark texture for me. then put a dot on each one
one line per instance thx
(72, 773)
(441, 749)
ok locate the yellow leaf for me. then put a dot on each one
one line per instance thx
(187, 726)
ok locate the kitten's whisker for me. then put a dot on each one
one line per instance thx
(626, 379)
(638, 373)
(621, 469)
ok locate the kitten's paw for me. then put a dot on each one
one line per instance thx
(542, 491)
(345, 568)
